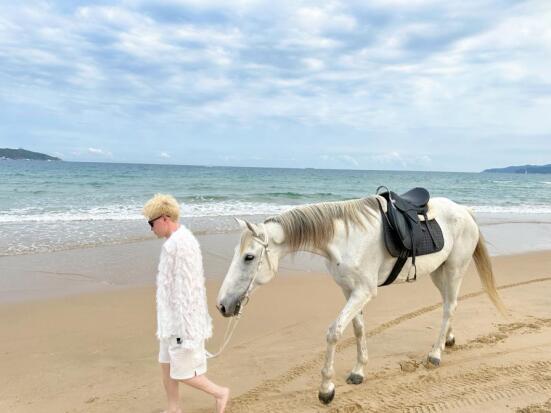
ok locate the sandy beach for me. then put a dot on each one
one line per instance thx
(308, 119)
(95, 350)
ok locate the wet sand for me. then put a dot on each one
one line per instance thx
(96, 351)
(116, 267)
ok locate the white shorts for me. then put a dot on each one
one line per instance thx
(184, 363)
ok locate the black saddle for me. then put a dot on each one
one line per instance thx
(404, 233)
(416, 198)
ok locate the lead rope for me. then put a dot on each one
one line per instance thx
(227, 336)
(232, 324)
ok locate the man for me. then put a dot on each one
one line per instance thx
(183, 321)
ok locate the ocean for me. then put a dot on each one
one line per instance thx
(49, 206)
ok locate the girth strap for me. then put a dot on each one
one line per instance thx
(397, 268)
(403, 257)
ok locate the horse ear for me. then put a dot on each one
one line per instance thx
(252, 228)
(242, 224)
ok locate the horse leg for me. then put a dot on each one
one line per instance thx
(355, 303)
(448, 280)
(356, 376)
(438, 282)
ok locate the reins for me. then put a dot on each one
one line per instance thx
(244, 300)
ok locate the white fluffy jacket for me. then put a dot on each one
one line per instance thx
(181, 295)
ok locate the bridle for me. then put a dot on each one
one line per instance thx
(244, 299)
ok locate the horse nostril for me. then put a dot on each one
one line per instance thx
(222, 309)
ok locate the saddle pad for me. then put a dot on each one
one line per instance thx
(425, 245)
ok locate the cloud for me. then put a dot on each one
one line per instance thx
(99, 152)
(313, 64)
(164, 155)
(318, 19)
(389, 157)
(349, 160)
(396, 69)
(321, 61)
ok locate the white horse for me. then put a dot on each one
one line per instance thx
(349, 235)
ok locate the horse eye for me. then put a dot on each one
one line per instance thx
(249, 257)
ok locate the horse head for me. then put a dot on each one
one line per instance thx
(255, 262)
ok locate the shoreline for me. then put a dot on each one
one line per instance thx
(114, 266)
(37, 237)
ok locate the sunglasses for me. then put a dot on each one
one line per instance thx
(151, 222)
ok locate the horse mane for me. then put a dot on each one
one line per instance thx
(314, 225)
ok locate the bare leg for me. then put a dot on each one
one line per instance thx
(354, 305)
(171, 388)
(220, 394)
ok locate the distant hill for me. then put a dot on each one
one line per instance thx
(7, 153)
(524, 169)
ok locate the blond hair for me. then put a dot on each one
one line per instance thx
(162, 204)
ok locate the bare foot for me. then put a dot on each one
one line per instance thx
(222, 400)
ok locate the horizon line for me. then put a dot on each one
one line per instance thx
(250, 167)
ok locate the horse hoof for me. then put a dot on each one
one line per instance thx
(354, 378)
(433, 361)
(326, 398)
(450, 342)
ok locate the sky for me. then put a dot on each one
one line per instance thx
(372, 84)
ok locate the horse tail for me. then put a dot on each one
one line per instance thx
(485, 272)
